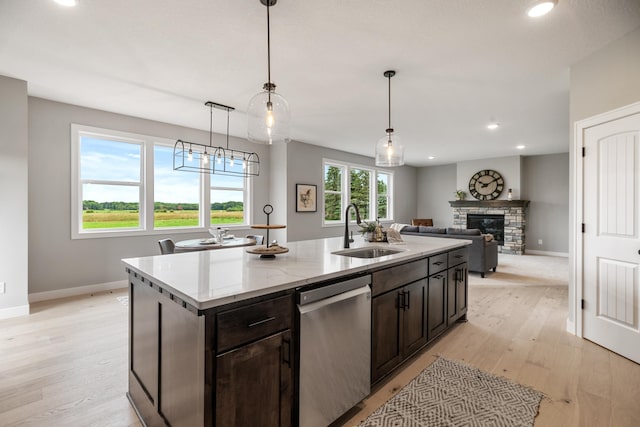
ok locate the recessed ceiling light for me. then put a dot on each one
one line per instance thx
(520, 147)
(68, 3)
(493, 126)
(430, 157)
(541, 8)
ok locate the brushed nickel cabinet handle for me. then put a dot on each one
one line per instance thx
(260, 322)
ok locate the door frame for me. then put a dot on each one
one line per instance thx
(576, 246)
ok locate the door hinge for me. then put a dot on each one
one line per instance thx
(583, 227)
(582, 304)
(584, 151)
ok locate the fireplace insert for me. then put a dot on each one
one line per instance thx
(488, 224)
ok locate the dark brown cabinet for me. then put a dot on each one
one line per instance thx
(254, 377)
(399, 327)
(398, 312)
(457, 293)
(254, 384)
(386, 352)
(437, 307)
(412, 304)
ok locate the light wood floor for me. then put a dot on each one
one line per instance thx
(66, 363)
(518, 331)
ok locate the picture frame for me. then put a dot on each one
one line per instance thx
(306, 198)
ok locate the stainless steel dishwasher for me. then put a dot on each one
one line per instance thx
(335, 350)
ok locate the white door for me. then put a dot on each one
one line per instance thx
(611, 212)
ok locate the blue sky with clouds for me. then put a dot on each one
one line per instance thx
(119, 161)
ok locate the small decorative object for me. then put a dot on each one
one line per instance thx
(379, 235)
(460, 195)
(268, 251)
(367, 229)
(486, 185)
(306, 198)
(509, 195)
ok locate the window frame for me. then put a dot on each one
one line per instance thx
(147, 193)
(346, 193)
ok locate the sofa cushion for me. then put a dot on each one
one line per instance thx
(410, 229)
(466, 232)
(437, 230)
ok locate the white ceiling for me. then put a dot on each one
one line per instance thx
(459, 63)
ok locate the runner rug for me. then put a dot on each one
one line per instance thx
(449, 393)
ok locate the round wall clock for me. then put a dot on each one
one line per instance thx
(486, 185)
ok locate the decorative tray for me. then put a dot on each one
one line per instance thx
(271, 250)
(267, 252)
(268, 226)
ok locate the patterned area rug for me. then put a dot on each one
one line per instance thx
(449, 393)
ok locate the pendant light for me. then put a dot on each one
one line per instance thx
(194, 157)
(268, 111)
(389, 151)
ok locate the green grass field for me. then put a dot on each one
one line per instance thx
(129, 219)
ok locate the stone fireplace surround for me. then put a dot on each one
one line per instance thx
(514, 212)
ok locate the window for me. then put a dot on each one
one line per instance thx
(368, 188)
(333, 192)
(382, 184)
(228, 200)
(360, 192)
(124, 184)
(176, 194)
(110, 183)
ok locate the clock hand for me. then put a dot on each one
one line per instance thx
(486, 184)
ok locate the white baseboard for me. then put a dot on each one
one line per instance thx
(79, 290)
(571, 326)
(548, 253)
(21, 310)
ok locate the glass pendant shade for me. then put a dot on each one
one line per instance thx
(389, 151)
(269, 118)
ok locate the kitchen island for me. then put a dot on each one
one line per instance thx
(214, 334)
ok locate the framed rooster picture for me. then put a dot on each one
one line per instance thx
(306, 198)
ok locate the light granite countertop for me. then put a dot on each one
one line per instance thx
(207, 279)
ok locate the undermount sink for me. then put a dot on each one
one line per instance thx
(367, 252)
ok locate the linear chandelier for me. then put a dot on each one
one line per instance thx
(268, 113)
(389, 151)
(194, 157)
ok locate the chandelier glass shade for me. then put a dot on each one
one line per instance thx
(389, 150)
(195, 157)
(269, 119)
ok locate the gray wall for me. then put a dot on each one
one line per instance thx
(436, 187)
(304, 166)
(545, 181)
(14, 166)
(603, 81)
(509, 167)
(55, 260)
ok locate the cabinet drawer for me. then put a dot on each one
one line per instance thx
(245, 324)
(393, 277)
(437, 263)
(458, 256)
